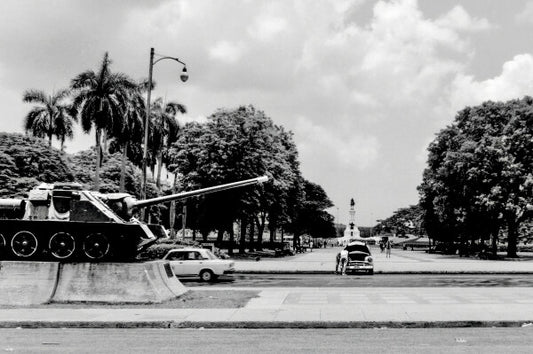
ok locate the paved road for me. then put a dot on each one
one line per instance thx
(377, 280)
(429, 340)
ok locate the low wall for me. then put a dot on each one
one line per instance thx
(27, 283)
(116, 283)
(36, 283)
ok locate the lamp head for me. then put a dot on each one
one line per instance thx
(184, 74)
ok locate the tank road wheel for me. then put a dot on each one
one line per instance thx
(2, 244)
(62, 245)
(96, 246)
(24, 244)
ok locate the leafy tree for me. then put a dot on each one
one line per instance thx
(479, 175)
(403, 221)
(51, 115)
(99, 101)
(26, 161)
(81, 165)
(312, 219)
(237, 144)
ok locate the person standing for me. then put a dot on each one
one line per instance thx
(388, 246)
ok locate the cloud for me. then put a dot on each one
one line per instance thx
(351, 150)
(515, 81)
(267, 28)
(526, 15)
(459, 19)
(226, 51)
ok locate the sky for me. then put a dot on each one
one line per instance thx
(364, 85)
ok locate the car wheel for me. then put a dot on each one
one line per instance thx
(207, 275)
(371, 272)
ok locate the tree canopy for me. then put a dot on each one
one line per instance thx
(479, 177)
(26, 161)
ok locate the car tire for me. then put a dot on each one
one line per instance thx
(371, 272)
(207, 275)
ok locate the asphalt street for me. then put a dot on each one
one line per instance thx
(381, 340)
(377, 280)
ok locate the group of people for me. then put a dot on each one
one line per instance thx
(342, 256)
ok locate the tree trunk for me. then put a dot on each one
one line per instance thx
(251, 247)
(104, 138)
(295, 241)
(260, 229)
(63, 144)
(494, 236)
(242, 242)
(184, 222)
(159, 167)
(50, 131)
(220, 236)
(231, 240)
(97, 169)
(172, 212)
(272, 230)
(512, 237)
(123, 168)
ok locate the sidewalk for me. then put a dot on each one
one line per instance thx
(326, 307)
(323, 261)
(311, 308)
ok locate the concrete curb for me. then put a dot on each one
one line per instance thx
(263, 325)
(381, 272)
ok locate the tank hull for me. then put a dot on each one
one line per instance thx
(68, 241)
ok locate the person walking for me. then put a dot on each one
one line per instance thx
(388, 246)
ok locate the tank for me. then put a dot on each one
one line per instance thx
(63, 222)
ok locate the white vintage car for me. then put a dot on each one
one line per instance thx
(359, 258)
(191, 261)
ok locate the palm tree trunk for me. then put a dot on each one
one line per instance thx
(172, 213)
(159, 167)
(97, 169)
(123, 168)
(104, 138)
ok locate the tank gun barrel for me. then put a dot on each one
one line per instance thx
(194, 193)
(11, 204)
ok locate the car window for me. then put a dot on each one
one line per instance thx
(199, 256)
(176, 256)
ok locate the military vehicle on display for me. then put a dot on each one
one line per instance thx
(62, 222)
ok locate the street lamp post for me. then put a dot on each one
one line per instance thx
(183, 77)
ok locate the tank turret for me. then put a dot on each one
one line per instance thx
(62, 221)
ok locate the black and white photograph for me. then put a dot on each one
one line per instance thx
(266, 176)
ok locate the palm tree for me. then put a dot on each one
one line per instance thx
(131, 131)
(99, 100)
(51, 116)
(164, 129)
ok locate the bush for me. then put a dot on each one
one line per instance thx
(157, 251)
